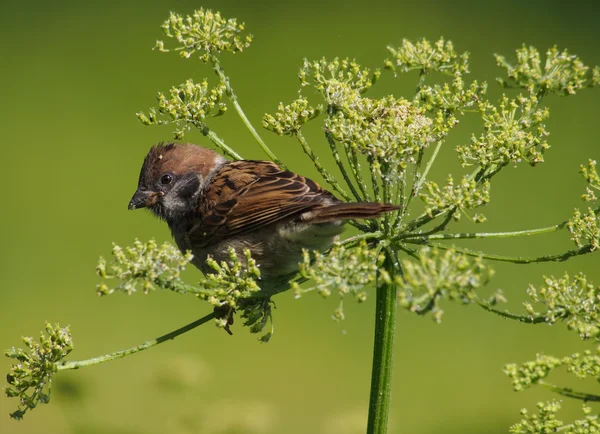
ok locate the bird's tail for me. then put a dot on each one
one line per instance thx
(348, 211)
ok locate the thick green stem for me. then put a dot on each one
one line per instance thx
(148, 344)
(383, 352)
(233, 97)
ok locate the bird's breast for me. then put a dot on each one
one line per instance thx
(277, 249)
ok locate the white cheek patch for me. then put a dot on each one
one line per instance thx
(171, 201)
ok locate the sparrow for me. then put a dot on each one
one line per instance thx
(211, 204)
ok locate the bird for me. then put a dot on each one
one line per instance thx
(212, 204)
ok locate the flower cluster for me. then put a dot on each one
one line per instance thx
(341, 270)
(580, 365)
(189, 103)
(574, 300)
(545, 421)
(205, 32)
(231, 285)
(561, 72)
(289, 119)
(230, 281)
(388, 130)
(468, 194)
(539, 423)
(514, 131)
(30, 379)
(529, 373)
(321, 73)
(440, 275)
(426, 57)
(452, 97)
(590, 174)
(147, 265)
(585, 229)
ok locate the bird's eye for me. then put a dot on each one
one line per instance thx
(167, 178)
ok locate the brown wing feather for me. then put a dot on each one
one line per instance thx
(248, 195)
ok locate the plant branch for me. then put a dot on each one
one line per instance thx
(570, 393)
(400, 196)
(356, 171)
(354, 239)
(338, 161)
(420, 178)
(514, 259)
(148, 344)
(423, 219)
(421, 83)
(324, 173)
(234, 100)
(375, 177)
(509, 315)
(401, 193)
(411, 252)
(425, 235)
(572, 425)
(213, 137)
(432, 235)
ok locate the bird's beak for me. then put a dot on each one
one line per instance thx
(143, 199)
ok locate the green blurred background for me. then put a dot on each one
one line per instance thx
(74, 73)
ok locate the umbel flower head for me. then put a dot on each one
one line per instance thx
(439, 275)
(321, 73)
(146, 266)
(590, 174)
(186, 105)
(30, 378)
(514, 131)
(465, 195)
(574, 300)
(345, 271)
(561, 72)
(149, 266)
(585, 229)
(204, 32)
(290, 118)
(545, 420)
(391, 131)
(427, 57)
